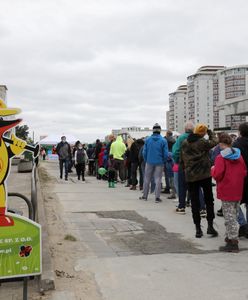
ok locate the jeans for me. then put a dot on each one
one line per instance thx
(241, 218)
(157, 172)
(167, 180)
(63, 162)
(172, 186)
(206, 185)
(182, 188)
(202, 201)
(176, 182)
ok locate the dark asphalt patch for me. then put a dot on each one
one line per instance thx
(153, 239)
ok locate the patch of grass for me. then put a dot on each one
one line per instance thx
(70, 237)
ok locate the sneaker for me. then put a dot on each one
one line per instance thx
(66, 179)
(212, 231)
(157, 200)
(166, 191)
(180, 211)
(143, 198)
(172, 197)
(61, 176)
(203, 213)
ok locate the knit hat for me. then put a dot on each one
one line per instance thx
(201, 129)
(156, 128)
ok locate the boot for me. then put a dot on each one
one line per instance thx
(211, 229)
(199, 232)
(133, 188)
(110, 184)
(231, 246)
(113, 184)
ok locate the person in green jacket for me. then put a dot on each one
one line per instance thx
(180, 180)
(118, 149)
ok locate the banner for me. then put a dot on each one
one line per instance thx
(20, 248)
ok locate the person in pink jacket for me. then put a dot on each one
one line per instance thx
(229, 172)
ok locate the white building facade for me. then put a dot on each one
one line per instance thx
(178, 109)
(3, 93)
(202, 100)
(232, 83)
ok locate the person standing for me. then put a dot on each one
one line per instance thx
(90, 152)
(98, 149)
(171, 141)
(155, 154)
(63, 150)
(196, 162)
(229, 172)
(242, 143)
(134, 159)
(176, 150)
(81, 160)
(118, 149)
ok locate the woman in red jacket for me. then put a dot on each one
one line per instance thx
(229, 172)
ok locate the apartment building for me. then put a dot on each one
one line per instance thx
(203, 96)
(232, 83)
(178, 109)
(3, 92)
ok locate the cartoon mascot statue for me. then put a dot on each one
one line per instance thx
(9, 149)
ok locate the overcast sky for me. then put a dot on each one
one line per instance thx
(83, 67)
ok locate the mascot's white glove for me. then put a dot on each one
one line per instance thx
(18, 146)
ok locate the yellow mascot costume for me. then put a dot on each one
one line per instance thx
(7, 151)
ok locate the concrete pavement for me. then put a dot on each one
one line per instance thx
(114, 227)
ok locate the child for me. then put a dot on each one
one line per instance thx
(170, 174)
(229, 172)
(81, 159)
(111, 172)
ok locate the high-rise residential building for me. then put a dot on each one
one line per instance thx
(178, 109)
(232, 83)
(207, 90)
(3, 92)
(167, 119)
(202, 100)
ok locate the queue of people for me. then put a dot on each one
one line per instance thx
(188, 163)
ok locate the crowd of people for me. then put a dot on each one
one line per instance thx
(188, 163)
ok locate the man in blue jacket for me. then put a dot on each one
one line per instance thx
(155, 153)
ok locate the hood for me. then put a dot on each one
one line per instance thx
(156, 136)
(230, 153)
(140, 142)
(119, 139)
(193, 137)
